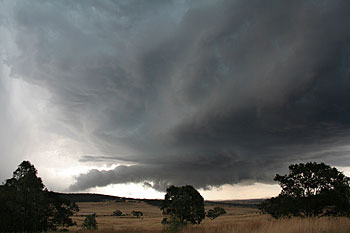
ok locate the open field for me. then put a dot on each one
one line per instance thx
(237, 220)
(151, 219)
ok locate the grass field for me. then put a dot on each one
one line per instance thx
(237, 220)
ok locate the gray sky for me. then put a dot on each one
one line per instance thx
(207, 93)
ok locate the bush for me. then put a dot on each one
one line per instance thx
(118, 213)
(136, 213)
(173, 224)
(90, 222)
(220, 210)
(216, 212)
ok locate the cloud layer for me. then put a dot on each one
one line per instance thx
(191, 92)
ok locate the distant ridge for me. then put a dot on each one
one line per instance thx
(94, 197)
(250, 203)
(89, 197)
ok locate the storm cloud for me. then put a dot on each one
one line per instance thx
(190, 92)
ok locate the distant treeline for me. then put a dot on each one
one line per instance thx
(89, 197)
(241, 203)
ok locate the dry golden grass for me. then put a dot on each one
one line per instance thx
(237, 220)
(152, 215)
(319, 225)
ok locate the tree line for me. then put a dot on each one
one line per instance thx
(308, 190)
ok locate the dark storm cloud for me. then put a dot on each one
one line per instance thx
(201, 93)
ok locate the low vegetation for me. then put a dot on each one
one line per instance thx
(216, 212)
(136, 213)
(90, 222)
(118, 213)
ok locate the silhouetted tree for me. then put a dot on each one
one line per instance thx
(27, 206)
(308, 190)
(183, 205)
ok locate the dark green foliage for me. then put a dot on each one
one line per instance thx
(184, 205)
(90, 222)
(280, 206)
(118, 213)
(216, 212)
(310, 179)
(212, 214)
(310, 189)
(26, 206)
(136, 213)
(220, 210)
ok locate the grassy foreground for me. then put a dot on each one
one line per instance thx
(237, 220)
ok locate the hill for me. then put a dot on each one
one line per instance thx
(93, 197)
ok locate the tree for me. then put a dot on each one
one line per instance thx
(183, 205)
(216, 212)
(308, 190)
(90, 222)
(27, 206)
(118, 213)
(136, 213)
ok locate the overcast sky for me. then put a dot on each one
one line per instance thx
(127, 97)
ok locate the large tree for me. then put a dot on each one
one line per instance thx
(310, 189)
(27, 206)
(183, 205)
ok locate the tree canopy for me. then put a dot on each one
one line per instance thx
(27, 206)
(184, 205)
(310, 189)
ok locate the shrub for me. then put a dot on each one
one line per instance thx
(136, 213)
(90, 222)
(216, 212)
(118, 213)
